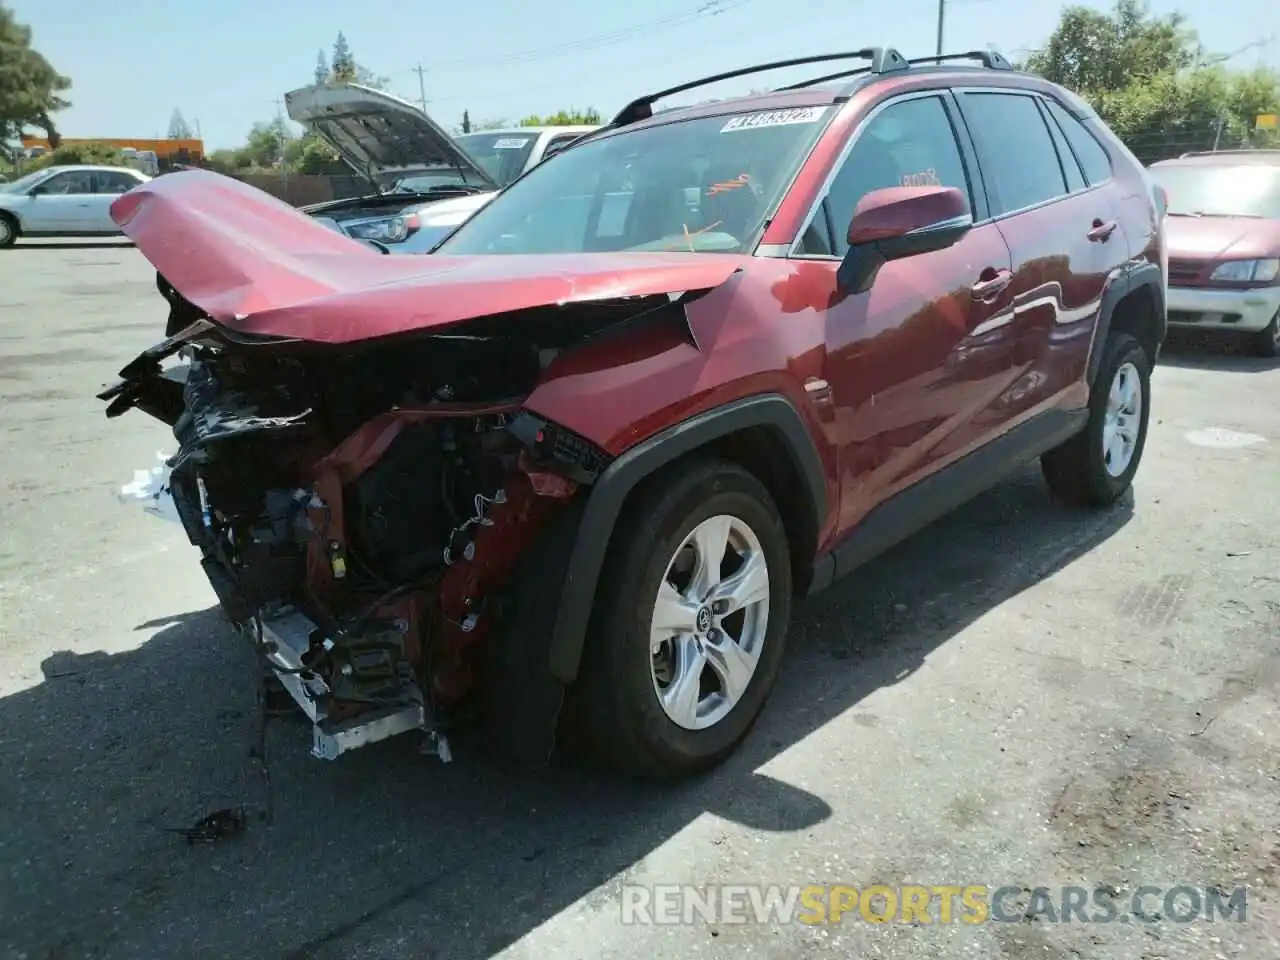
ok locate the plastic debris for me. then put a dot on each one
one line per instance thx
(150, 490)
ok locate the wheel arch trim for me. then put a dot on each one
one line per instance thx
(609, 495)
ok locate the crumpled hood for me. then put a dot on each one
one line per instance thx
(258, 266)
(1221, 238)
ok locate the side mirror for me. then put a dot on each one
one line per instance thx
(37, 190)
(899, 222)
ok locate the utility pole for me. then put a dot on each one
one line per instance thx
(421, 71)
(281, 130)
(942, 16)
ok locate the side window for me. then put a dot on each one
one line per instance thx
(1094, 159)
(1075, 179)
(907, 144)
(1019, 163)
(559, 143)
(111, 181)
(73, 181)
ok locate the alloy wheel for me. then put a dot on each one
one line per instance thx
(1123, 420)
(709, 622)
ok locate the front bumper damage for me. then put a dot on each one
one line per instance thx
(285, 639)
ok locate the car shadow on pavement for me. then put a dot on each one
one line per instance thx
(387, 853)
(1201, 351)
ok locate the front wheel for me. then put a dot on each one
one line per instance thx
(1096, 466)
(689, 625)
(1266, 343)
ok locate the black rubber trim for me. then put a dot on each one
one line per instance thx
(620, 478)
(942, 492)
(1146, 274)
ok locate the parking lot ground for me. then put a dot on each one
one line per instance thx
(1022, 696)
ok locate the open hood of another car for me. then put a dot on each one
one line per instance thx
(383, 137)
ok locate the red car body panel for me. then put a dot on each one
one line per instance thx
(260, 267)
(1223, 238)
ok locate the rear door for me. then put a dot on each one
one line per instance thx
(107, 185)
(907, 365)
(1063, 232)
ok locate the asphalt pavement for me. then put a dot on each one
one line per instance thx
(1023, 696)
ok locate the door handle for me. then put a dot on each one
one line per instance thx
(990, 288)
(1101, 232)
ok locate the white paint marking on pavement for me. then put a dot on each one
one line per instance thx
(1223, 439)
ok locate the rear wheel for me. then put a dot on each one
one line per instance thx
(690, 621)
(1096, 466)
(8, 231)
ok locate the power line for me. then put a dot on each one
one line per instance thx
(706, 8)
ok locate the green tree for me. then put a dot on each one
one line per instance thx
(344, 69)
(30, 89)
(466, 122)
(343, 65)
(563, 118)
(1146, 76)
(1092, 52)
(96, 153)
(322, 68)
(179, 129)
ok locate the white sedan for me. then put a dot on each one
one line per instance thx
(67, 201)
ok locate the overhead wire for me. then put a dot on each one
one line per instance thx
(705, 8)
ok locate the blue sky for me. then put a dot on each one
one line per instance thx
(224, 63)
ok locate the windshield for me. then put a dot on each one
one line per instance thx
(501, 155)
(23, 183)
(1221, 191)
(703, 186)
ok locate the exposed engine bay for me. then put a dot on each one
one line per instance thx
(359, 510)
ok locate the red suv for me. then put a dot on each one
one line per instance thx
(568, 472)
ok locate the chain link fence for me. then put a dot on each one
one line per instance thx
(1174, 141)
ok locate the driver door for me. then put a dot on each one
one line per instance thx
(914, 361)
(65, 204)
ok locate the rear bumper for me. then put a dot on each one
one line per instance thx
(1247, 311)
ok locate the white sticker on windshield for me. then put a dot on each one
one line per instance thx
(773, 118)
(510, 143)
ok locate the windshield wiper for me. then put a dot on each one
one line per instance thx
(459, 189)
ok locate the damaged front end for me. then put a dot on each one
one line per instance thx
(359, 509)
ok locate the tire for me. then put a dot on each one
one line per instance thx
(1077, 471)
(9, 231)
(615, 704)
(1266, 343)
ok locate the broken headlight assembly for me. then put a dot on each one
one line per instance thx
(384, 229)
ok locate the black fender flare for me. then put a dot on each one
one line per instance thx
(611, 489)
(1145, 274)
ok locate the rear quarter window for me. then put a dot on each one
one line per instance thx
(1093, 158)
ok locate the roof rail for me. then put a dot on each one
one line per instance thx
(883, 60)
(1217, 153)
(988, 58)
